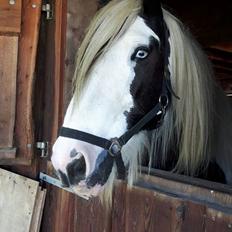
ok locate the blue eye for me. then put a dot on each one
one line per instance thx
(141, 54)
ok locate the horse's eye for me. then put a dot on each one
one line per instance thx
(141, 54)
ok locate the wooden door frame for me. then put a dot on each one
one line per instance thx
(23, 128)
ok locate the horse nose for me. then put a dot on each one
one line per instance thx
(63, 178)
(76, 170)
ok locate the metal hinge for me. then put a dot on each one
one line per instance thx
(47, 8)
(43, 147)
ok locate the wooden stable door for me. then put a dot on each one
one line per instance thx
(19, 27)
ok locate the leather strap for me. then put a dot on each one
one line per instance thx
(85, 137)
(105, 143)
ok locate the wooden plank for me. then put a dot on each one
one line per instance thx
(139, 207)
(148, 210)
(50, 70)
(8, 70)
(15, 161)
(188, 191)
(65, 211)
(59, 211)
(119, 207)
(37, 211)
(24, 137)
(168, 213)
(73, 214)
(91, 216)
(10, 16)
(17, 200)
(152, 211)
(194, 217)
(59, 65)
(218, 221)
(9, 153)
(170, 176)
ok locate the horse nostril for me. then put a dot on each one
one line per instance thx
(74, 154)
(76, 170)
(64, 179)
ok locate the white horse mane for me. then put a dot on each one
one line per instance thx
(190, 121)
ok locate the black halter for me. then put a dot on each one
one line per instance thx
(112, 148)
(114, 145)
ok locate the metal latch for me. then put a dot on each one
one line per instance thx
(43, 147)
(47, 8)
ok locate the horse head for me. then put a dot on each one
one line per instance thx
(121, 86)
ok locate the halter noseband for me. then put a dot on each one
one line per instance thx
(112, 148)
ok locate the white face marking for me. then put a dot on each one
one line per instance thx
(105, 98)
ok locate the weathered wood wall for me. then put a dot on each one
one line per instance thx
(9, 43)
(154, 210)
(19, 29)
(8, 69)
(155, 204)
(133, 210)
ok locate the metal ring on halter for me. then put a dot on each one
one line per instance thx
(115, 147)
(163, 100)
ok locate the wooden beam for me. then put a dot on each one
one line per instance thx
(7, 153)
(24, 131)
(8, 70)
(38, 210)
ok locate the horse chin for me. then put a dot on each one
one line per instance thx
(85, 192)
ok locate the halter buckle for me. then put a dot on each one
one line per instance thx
(115, 147)
(163, 100)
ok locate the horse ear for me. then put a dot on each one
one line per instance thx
(152, 8)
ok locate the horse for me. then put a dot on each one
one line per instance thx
(144, 93)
